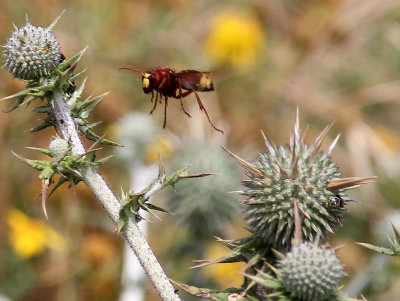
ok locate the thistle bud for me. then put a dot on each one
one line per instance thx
(311, 273)
(31, 52)
(57, 147)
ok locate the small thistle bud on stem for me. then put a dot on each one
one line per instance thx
(57, 147)
(310, 272)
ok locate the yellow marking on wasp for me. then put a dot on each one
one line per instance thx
(205, 82)
(146, 81)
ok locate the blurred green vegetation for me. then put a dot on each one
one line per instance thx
(337, 60)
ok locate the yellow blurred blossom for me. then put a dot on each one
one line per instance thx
(30, 237)
(236, 39)
(160, 145)
(224, 274)
(99, 248)
(388, 137)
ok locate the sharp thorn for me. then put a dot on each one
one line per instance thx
(269, 146)
(45, 187)
(19, 157)
(349, 183)
(246, 165)
(333, 144)
(51, 26)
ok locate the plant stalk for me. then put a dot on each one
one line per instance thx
(110, 202)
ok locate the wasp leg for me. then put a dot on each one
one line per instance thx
(181, 95)
(165, 111)
(152, 96)
(202, 108)
(161, 87)
(155, 102)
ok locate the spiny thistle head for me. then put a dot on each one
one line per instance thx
(310, 272)
(57, 147)
(295, 175)
(32, 52)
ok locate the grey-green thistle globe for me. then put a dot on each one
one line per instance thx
(310, 272)
(204, 207)
(137, 131)
(57, 147)
(32, 52)
(295, 176)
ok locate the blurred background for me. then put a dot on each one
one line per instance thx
(338, 61)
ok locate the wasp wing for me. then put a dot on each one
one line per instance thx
(195, 80)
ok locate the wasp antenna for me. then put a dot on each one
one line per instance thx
(127, 68)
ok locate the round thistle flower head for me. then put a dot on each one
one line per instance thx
(57, 147)
(310, 273)
(137, 131)
(32, 52)
(205, 207)
(295, 176)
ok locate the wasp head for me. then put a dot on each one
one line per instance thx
(148, 80)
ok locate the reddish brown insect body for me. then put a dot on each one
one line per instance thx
(168, 83)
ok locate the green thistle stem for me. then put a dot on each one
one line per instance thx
(111, 204)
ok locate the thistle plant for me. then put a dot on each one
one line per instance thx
(394, 248)
(310, 272)
(293, 193)
(295, 174)
(57, 147)
(33, 54)
(307, 272)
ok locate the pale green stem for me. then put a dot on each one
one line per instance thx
(111, 204)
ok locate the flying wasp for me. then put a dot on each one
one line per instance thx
(169, 83)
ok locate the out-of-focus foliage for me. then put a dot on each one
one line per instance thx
(337, 60)
(205, 207)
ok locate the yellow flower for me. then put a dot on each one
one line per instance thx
(236, 39)
(30, 237)
(224, 274)
(161, 146)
